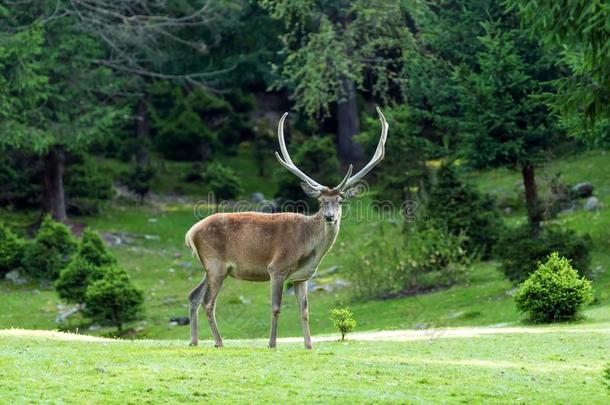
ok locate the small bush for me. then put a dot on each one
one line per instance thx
(87, 266)
(519, 252)
(139, 180)
(343, 319)
(75, 278)
(428, 258)
(113, 299)
(462, 209)
(222, 181)
(92, 249)
(554, 292)
(11, 250)
(50, 251)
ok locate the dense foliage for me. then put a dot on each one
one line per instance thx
(429, 258)
(554, 292)
(462, 209)
(222, 182)
(519, 253)
(11, 250)
(113, 299)
(139, 179)
(75, 278)
(50, 251)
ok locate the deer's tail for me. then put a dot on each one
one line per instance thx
(189, 240)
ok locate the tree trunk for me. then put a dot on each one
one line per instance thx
(142, 133)
(53, 182)
(348, 124)
(534, 213)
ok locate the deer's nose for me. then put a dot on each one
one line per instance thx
(329, 217)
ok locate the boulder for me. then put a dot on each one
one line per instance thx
(257, 197)
(583, 190)
(592, 204)
(15, 277)
(182, 320)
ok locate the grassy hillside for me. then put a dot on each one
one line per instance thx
(552, 365)
(159, 263)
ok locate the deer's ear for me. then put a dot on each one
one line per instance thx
(351, 192)
(311, 192)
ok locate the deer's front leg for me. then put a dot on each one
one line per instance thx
(300, 290)
(277, 288)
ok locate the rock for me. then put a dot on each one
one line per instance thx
(181, 320)
(185, 265)
(65, 315)
(592, 204)
(112, 239)
(15, 277)
(268, 206)
(342, 283)
(583, 190)
(177, 255)
(169, 300)
(257, 197)
(152, 220)
(312, 286)
(328, 271)
(152, 237)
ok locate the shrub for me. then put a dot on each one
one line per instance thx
(554, 292)
(139, 180)
(50, 251)
(343, 319)
(428, 258)
(222, 181)
(519, 251)
(75, 278)
(113, 299)
(92, 249)
(86, 267)
(11, 250)
(462, 209)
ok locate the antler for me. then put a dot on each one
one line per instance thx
(287, 162)
(348, 180)
(377, 157)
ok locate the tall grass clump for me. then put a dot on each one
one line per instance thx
(423, 259)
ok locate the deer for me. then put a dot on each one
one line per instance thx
(275, 247)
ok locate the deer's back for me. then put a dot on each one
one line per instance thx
(248, 242)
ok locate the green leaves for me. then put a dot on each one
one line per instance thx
(363, 41)
(343, 319)
(555, 292)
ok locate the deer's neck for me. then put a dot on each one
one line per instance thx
(328, 231)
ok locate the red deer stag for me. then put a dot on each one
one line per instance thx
(280, 247)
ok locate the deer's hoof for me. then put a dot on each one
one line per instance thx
(193, 344)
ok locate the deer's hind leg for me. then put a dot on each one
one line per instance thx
(195, 299)
(216, 274)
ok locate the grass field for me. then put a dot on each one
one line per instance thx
(554, 365)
